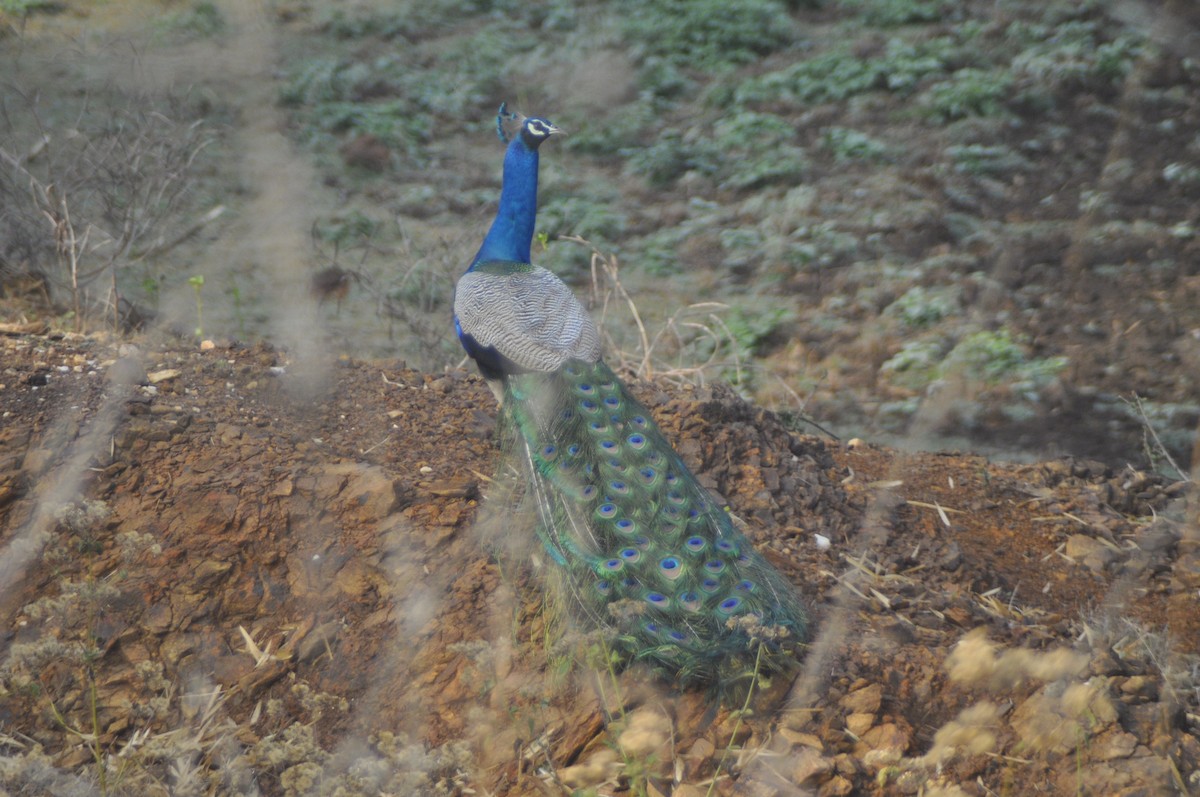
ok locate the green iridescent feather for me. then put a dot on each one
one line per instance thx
(644, 552)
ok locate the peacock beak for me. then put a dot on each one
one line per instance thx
(557, 131)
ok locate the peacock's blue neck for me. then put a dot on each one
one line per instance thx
(512, 232)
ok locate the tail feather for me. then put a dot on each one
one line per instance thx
(643, 549)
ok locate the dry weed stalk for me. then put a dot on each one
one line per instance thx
(1152, 444)
(682, 328)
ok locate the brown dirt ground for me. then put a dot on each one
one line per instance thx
(334, 520)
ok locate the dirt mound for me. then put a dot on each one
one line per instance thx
(223, 574)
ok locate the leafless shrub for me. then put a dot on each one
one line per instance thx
(416, 299)
(89, 199)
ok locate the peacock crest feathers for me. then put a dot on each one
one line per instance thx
(510, 124)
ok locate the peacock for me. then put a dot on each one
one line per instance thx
(643, 552)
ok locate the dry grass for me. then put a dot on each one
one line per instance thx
(672, 352)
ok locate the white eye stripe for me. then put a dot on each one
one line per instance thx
(537, 127)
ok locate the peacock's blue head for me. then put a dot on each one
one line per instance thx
(533, 130)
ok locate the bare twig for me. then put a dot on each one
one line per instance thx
(1159, 448)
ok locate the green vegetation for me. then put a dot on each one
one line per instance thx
(331, 90)
(658, 254)
(894, 13)
(734, 151)
(745, 150)
(21, 8)
(358, 24)
(620, 132)
(706, 35)
(921, 307)
(968, 92)
(718, 161)
(596, 217)
(1186, 174)
(847, 145)
(385, 98)
(1070, 53)
(994, 357)
(915, 366)
(755, 332)
(671, 155)
(202, 19)
(982, 362)
(839, 75)
(759, 150)
(992, 160)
